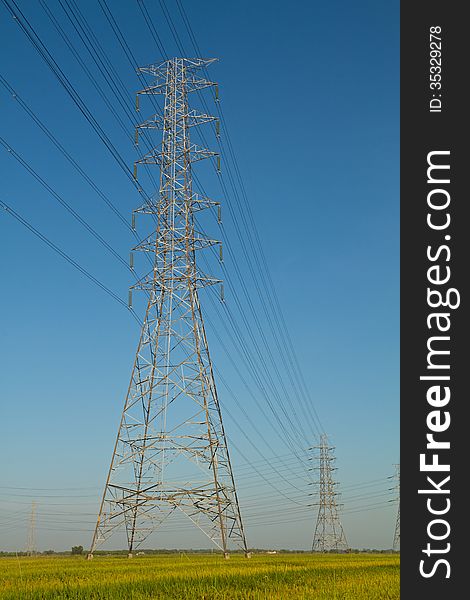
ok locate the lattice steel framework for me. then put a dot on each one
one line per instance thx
(31, 543)
(329, 534)
(171, 451)
(396, 537)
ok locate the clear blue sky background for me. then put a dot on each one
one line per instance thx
(310, 93)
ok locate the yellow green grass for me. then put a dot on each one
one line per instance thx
(202, 577)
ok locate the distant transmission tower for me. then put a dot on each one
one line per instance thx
(329, 534)
(31, 543)
(396, 537)
(171, 450)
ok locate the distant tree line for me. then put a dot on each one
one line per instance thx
(79, 551)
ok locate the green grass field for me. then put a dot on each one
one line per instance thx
(202, 577)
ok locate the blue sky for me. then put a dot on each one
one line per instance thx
(310, 96)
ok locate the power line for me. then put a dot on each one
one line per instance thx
(275, 392)
(274, 330)
(293, 428)
(43, 52)
(118, 33)
(283, 327)
(151, 27)
(63, 151)
(101, 61)
(63, 202)
(65, 256)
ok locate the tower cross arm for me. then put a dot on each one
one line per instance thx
(159, 157)
(192, 84)
(192, 119)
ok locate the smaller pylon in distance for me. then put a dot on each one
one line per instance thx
(31, 543)
(396, 537)
(329, 535)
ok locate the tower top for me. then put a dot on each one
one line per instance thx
(190, 64)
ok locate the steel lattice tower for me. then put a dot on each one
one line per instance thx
(171, 450)
(396, 537)
(329, 534)
(31, 543)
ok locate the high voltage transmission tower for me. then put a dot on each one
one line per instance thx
(396, 537)
(329, 534)
(31, 543)
(171, 451)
